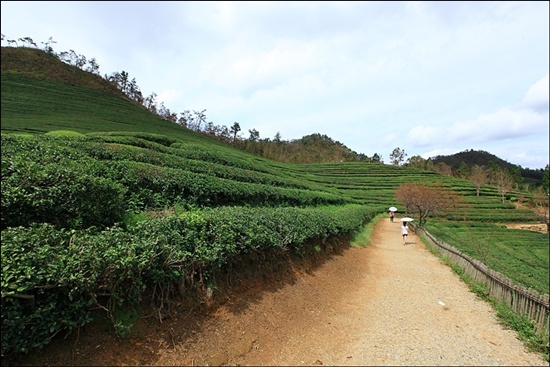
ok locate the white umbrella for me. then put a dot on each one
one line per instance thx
(406, 219)
(392, 209)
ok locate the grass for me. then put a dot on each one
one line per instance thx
(517, 254)
(364, 237)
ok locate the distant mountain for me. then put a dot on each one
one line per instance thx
(471, 158)
(481, 158)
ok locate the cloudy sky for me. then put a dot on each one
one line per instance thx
(431, 78)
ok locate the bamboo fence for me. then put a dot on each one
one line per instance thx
(523, 301)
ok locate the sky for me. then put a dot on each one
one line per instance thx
(430, 78)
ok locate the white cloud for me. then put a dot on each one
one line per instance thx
(421, 136)
(503, 124)
(537, 97)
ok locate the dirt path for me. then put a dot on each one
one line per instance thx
(388, 304)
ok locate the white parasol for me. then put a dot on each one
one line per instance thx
(392, 209)
(406, 219)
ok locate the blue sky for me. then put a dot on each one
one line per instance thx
(432, 78)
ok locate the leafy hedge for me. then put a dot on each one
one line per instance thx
(52, 277)
(63, 193)
(50, 179)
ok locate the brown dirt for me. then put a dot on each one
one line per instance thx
(529, 227)
(387, 304)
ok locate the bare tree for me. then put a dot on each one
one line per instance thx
(478, 177)
(199, 120)
(80, 61)
(151, 103)
(426, 200)
(48, 45)
(185, 118)
(28, 41)
(93, 66)
(504, 182)
(541, 201)
(444, 169)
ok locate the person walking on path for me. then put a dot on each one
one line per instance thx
(392, 215)
(404, 232)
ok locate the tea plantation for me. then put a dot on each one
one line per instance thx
(104, 203)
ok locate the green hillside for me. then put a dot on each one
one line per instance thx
(105, 205)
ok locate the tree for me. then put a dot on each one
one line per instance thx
(48, 45)
(464, 170)
(504, 182)
(254, 135)
(515, 174)
(416, 161)
(93, 66)
(28, 41)
(426, 200)
(444, 169)
(492, 169)
(545, 178)
(397, 156)
(198, 120)
(235, 129)
(151, 103)
(377, 158)
(541, 202)
(478, 177)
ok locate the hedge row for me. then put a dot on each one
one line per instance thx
(52, 277)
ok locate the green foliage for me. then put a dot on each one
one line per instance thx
(44, 181)
(51, 277)
(66, 133)
(364, 237)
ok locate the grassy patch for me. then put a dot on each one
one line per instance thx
(364, 237)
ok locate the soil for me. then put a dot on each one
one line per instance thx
(529, 227)
(389, 303)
